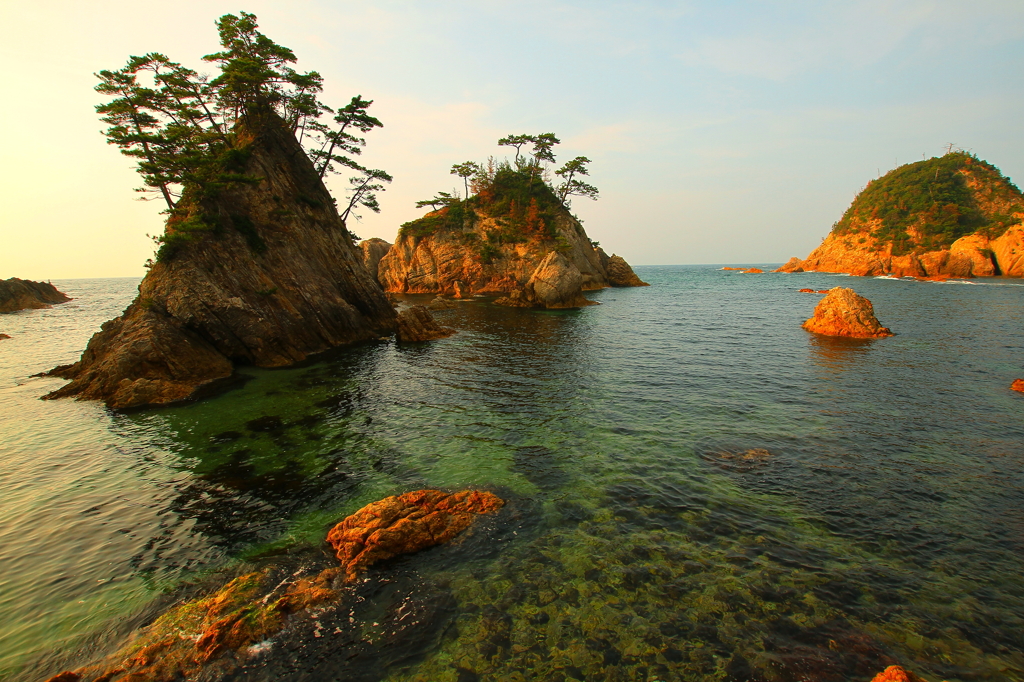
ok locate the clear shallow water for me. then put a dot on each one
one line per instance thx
(886, 525)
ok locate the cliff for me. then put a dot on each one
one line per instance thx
(954, 215)
(19, 294)
(261, 272)
(373, 250)
(494, 242)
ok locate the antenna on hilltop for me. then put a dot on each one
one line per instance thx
(949, 148)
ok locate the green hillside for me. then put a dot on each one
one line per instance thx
(933, 197)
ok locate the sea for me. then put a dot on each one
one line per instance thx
(696, 489)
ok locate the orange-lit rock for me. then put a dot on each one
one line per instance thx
(806, 291)
(750, 271)
(845, 313)
(895, 673)
(405, 523)
(734, 268)
(1018, 385)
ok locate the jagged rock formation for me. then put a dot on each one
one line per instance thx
(845, 313)
(556, 283)
(415, 323)
(954, 216)
(373, 250)
(19, 294)
(273, 280)
(620, 274)
(405, 523)
(494, 242)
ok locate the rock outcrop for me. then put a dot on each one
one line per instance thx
(20, 294)
(415, 323)
(271, 279)
(952, 216)
(494, 241)
(845, 313)
(1017, 385)
(620, 274)
(556, 283)
(405, 523)
(373, 250)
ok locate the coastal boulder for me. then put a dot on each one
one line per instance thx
(405, 523)
(20, 294)
(620, 274)
(271, 279)
(557, 283)
(1017, 385)
(842, 312)
(415, 323)
(373, 250)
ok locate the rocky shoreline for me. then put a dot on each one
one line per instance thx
(23, 294)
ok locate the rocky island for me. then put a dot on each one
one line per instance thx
(21, 294)
(844, 312)
(256, 265)
(949, 216)
(513, 234)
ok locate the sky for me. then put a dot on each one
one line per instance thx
(719, 131)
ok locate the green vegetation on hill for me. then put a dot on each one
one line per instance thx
(518, 194)
(932, 197)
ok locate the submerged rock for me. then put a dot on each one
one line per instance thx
(273, 280)
(1017, 385)
(405, 523)
(845, 313)
(417, 324)
(895, 673)
(20, 294)
(187, 640)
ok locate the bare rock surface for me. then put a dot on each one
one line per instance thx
(620, 274)
(843, 312)
(556, 283)
(20, 294)
(895, 673)
(415, 323)
(1017, 385)
(277, 281)
(405, 523)
(373, 250)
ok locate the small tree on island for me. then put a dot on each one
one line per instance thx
(571, 186)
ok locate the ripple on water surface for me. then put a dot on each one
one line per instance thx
(698, 489)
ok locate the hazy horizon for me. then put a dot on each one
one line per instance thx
(732, 133)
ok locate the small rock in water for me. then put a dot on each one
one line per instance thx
(845, 313)
(4, 336)
(417, 324)
(895, 673)
(1017, 385)
(441, 303)
(405, 523)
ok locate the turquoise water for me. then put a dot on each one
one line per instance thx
(883, 523)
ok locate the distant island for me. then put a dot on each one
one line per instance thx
(949, 216)
(21, 294)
